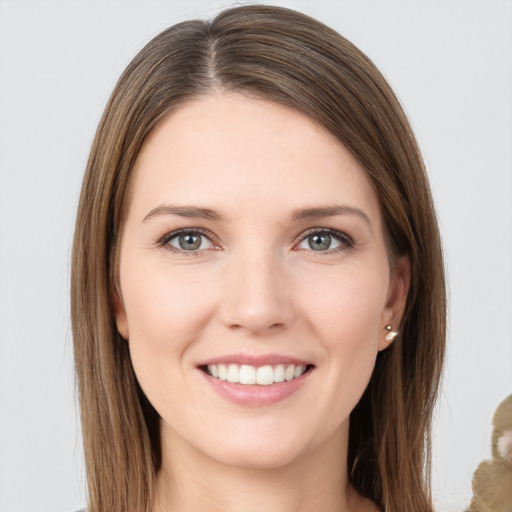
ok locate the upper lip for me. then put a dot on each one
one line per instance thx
(255, 360)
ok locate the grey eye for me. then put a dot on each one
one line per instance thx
(319, 241)
(191, 241)
(323, 241)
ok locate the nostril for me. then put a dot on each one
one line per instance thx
(271, 327)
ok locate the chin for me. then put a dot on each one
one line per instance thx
(261, 445)
(257, 457)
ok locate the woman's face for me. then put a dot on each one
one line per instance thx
(254, 281)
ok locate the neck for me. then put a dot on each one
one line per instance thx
(317, 480)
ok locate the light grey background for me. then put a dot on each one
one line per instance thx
(451, 65)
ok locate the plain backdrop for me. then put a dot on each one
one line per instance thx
(450, 63)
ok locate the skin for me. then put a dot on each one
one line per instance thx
(255, 286)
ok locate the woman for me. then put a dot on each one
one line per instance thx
(258, 298)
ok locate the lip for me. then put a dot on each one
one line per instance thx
(253, 360)
(253, 395)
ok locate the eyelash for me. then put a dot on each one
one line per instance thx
(164, 241)
(346, 241)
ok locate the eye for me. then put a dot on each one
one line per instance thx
(187, 241)
(325, 240)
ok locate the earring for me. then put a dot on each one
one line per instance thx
(391, 335)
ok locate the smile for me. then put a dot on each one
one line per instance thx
(256, 380)
(250, 375)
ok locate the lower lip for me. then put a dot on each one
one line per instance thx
(252, 395)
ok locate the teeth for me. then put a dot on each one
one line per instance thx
(279, 373)
(263, 375)
(223, 371)
(247, 374)
(233, 373)
(299, 370)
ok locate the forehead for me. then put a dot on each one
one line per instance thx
(230, 151)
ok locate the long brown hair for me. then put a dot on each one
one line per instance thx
(287, 57)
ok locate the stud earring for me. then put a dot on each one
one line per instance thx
(391, 335)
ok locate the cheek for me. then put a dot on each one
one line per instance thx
(165, 308)
(346, 316)
(348, 307)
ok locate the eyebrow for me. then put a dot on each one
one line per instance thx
(302, 214)
(329, 211)
(191, 212)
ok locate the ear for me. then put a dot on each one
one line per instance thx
(396, 299)
(121, 318)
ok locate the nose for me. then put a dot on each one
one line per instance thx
(257, 297)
